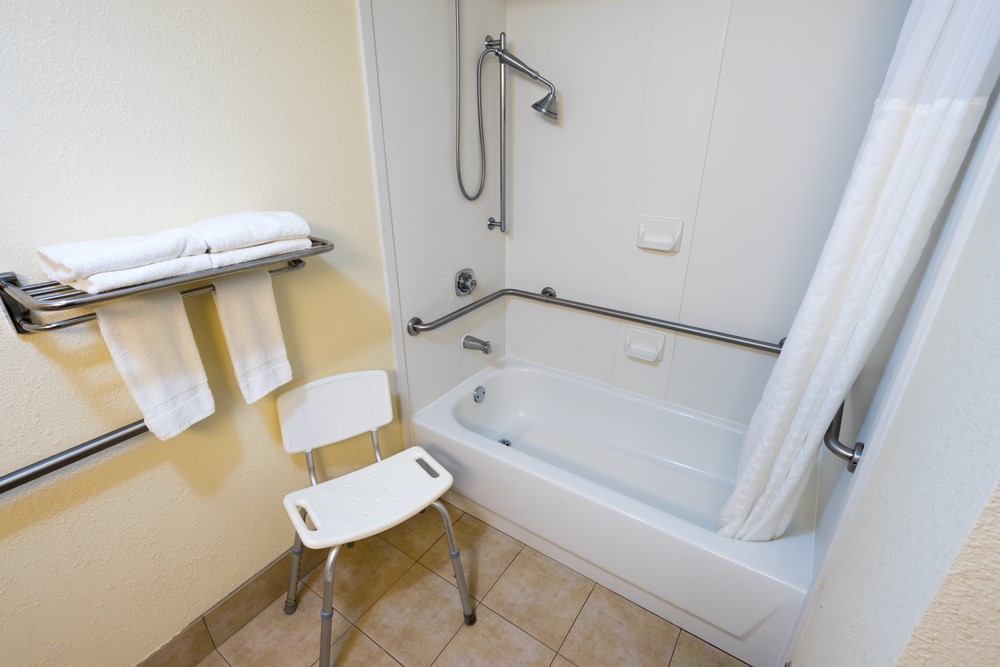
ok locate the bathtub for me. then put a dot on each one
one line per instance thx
(626, 491)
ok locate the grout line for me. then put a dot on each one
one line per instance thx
(577, 617)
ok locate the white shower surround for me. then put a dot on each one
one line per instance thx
(719, 138)
(625, 490)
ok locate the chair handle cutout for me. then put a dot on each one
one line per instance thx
(427, 467)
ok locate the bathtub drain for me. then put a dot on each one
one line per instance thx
(504, 441)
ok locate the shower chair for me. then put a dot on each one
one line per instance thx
(363, 503)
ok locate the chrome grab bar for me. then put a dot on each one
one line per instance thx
(832, 441)
(548, 295)
(71, 455)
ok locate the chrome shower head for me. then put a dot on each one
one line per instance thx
(547, 106)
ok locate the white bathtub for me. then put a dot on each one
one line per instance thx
(625, 490)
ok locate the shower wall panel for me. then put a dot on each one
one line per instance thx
(740, 119)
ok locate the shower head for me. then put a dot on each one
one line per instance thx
(547, 105)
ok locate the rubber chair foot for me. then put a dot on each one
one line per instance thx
(290, 607)
(470, 619)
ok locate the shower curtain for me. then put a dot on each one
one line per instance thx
(939, 82)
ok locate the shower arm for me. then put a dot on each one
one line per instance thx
(851, 456)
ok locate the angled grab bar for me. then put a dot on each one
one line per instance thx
(548, 295)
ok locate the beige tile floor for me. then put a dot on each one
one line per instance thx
(397, 604)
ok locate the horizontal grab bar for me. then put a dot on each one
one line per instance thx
(548, 295)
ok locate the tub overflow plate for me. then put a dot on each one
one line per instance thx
(479, 395)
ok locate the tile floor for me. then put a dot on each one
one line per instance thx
(397, 604)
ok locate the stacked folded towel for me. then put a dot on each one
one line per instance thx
(106, 264)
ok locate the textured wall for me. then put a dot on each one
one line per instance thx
(120, 117)
(936, 469)
(959, 627)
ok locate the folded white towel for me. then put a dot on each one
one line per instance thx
(239, 230)
(69, 262)
(240, 255)
(152, 345)
(74, 261)
(250, 325)
(102, 282)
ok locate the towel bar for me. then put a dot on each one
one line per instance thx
(20, 302)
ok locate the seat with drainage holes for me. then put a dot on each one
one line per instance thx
(362, 503)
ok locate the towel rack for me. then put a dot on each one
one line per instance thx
(20, 302)
(548, 295)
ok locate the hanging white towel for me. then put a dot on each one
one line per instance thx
(75, 261)
(240, 230)
(250, 325)
(152, 345)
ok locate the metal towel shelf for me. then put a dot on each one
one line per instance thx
(20, 302)
(548, 295)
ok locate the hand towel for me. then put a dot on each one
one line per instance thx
(240, 230)
(75, 261)
(152, 345)
(250, 325)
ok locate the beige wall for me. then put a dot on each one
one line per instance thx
(121, 117)
(959, 627)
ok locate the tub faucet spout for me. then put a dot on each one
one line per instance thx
(473, 343)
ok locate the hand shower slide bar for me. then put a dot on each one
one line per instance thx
(548, 295)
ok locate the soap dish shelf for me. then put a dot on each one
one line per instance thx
(20, 302)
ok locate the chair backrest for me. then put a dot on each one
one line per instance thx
(334, 408)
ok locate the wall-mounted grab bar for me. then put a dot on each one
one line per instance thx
(548, 295)
(71, 455)
(832, 441)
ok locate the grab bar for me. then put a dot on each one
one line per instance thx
(548, 295)
(71, 455)
(832, 441)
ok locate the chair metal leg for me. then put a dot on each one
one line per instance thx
(293, 579)
(456, 562)
(326, 614)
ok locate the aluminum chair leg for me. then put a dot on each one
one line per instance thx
(326, 614)
(291, 604)
(456, 562)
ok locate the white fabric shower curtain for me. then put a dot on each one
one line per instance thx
(935, 92)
